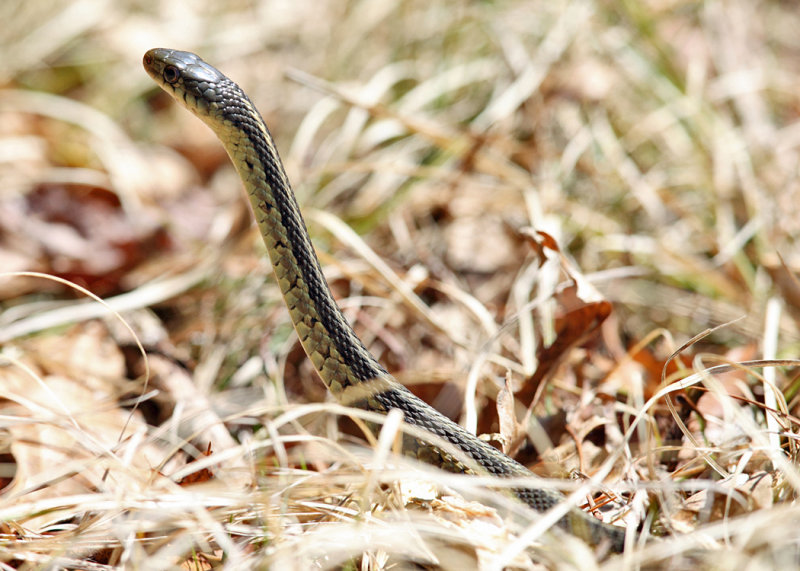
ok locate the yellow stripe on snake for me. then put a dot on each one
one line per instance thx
(346, 367)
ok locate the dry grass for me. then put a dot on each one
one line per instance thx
(428, 142)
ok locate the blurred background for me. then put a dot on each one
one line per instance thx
(659, 137)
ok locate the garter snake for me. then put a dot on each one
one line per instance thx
(346, 367)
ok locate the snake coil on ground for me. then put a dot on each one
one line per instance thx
(348, 369)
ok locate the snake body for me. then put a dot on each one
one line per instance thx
(346, 367)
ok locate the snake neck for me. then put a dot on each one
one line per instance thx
(351, 373)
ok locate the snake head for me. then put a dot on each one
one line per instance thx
(187, 78)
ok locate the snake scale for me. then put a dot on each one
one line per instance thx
(346, 367)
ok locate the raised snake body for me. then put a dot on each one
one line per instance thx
(346, 367)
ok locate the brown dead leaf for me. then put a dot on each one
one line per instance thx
(12, 260)
(512, 433)
(656, 367)
(201, 476)
(86, 351)
(761, 487)
(68, 435)
(581, 312)
(77, 232)
(747, 492)
(710, 423)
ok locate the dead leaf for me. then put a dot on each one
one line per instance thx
(709, 505)
(80, 233)
(201, 476)
(68, 435)
(512, 432)
(581, 312)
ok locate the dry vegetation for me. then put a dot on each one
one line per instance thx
(572, 225)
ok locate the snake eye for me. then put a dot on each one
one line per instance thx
(171, 74)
